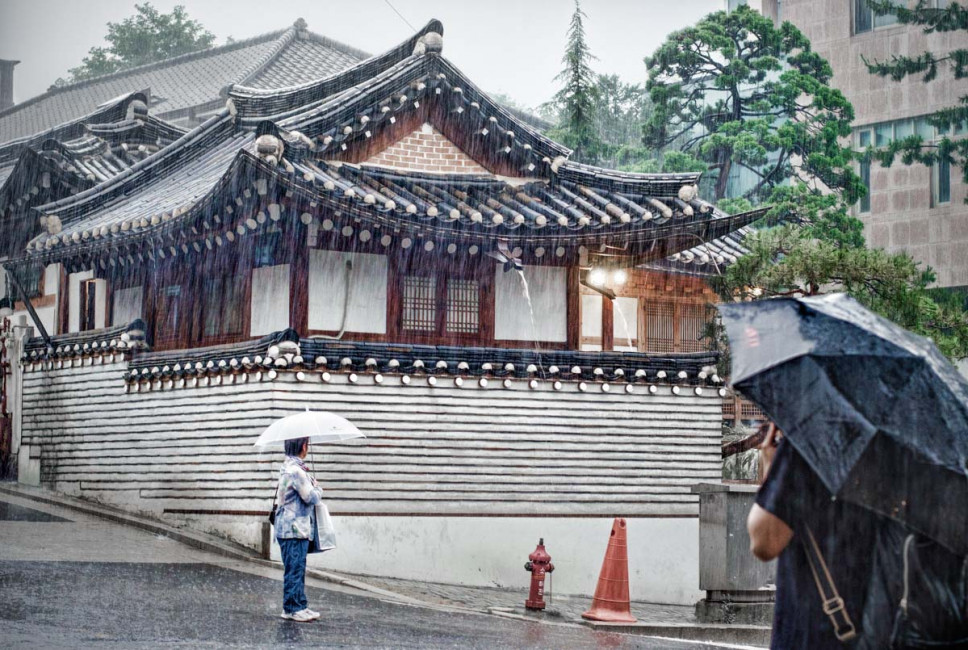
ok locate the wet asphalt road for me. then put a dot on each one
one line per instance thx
(173, 596)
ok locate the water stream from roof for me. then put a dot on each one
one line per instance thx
(534, 325)
(625, 322)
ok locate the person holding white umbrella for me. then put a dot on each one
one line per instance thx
(296, 498)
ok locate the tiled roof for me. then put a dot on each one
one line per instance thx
(306, 60)
(277, 59)
(287, 154)
(709, 258)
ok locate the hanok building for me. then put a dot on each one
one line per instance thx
(513, 331)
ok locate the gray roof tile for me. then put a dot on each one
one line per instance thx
(273, 60)
(305, 60)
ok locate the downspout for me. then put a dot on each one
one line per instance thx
(30, 308)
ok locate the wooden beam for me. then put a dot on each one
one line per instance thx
(573, 308)
(299, 281)
(63, 302)
(608, 324)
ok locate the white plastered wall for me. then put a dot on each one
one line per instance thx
(625, 330)
(270, 299)
(490, 551)
(127, 305)
(591, 320)
(548, 288)
(366, 308)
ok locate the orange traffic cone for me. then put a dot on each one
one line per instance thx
(611, 601)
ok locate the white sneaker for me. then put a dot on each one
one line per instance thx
(312, 613)
(286, 615)
(302, 616)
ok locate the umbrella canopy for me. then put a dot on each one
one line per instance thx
(878, 412)
(318, 426)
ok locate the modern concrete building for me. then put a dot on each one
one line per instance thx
(912, 208)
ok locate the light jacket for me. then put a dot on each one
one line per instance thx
(296, 497)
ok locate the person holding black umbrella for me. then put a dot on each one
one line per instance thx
(866, 499)
(815, 537)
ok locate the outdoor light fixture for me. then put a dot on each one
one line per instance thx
(604, 280)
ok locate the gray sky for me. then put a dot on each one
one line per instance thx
(509, 46)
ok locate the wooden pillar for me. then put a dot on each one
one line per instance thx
(573, 308)
(608, 324)
(299, 282)
(63, 301)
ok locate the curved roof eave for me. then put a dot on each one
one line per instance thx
(257, 102)
(179, 150)
(109, 111)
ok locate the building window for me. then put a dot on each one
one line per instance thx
(419, 304)
(88, 306)
(941, 183)
(463, 309)
(865, 19)
(223, 306)
(865, 178)
(675, 326)
(441, 305)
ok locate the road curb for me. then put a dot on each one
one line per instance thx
(757, 635)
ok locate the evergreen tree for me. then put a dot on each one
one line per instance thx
(146, 37)
(620, 110)
(914, 149)
(575, 102)
(782, 262)
(739, 94)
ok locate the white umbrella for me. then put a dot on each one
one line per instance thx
(318, 426)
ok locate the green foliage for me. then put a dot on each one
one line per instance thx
(620, 110)
(575, 102)
(953, 18)
(146, 37)
(734, 91)
(735, 206)
(784, 261)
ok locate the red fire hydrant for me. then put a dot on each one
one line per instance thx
(538, 564)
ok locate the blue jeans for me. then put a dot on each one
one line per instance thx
(294, 579)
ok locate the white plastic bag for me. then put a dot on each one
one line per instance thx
(325, 532)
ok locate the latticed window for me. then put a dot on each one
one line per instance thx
(660, 327)
(463, 309)
(675, 326)
(440, 305)
(419, 304)
(692, 322)
(748, 411)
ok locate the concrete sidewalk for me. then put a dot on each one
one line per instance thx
(667, 621)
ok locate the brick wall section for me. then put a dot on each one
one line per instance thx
(426, 149)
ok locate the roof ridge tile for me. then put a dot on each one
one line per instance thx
(211, 51)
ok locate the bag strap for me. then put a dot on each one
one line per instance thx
(833, 604)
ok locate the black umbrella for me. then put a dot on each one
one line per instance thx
(878, 412)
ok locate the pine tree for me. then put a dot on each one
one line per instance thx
(738, 93)
(575, 102)
(914, 149)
